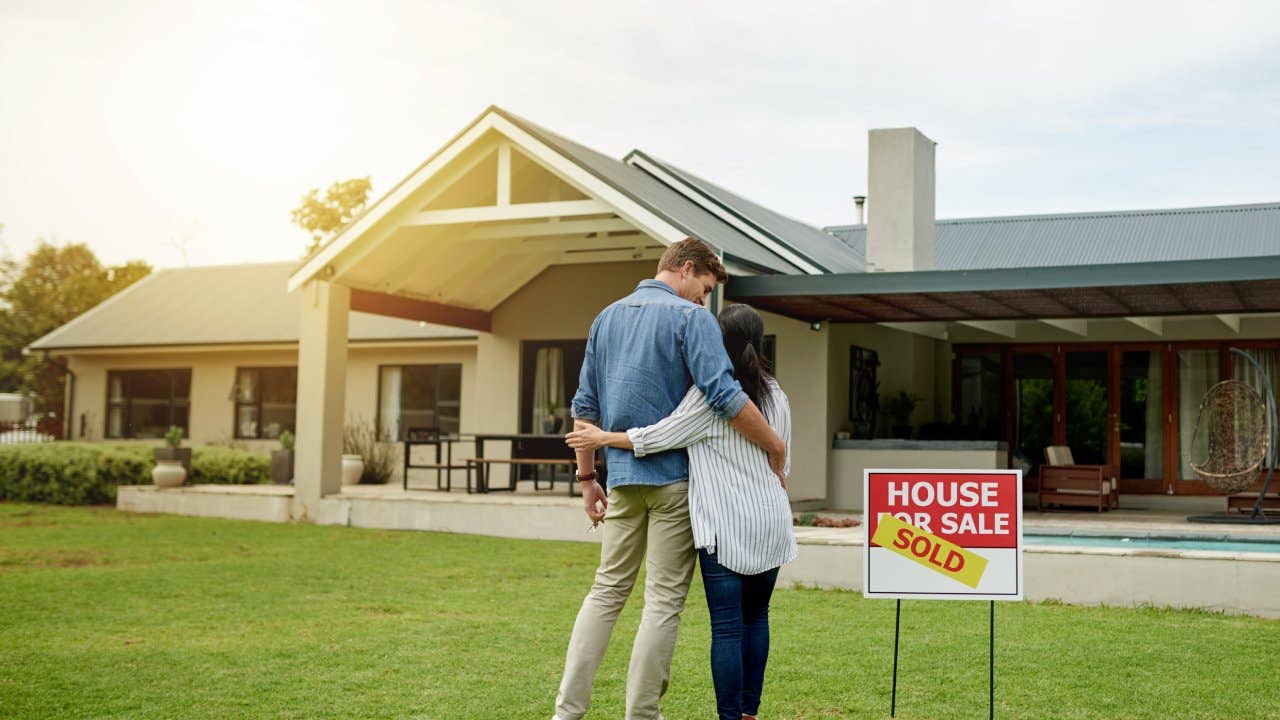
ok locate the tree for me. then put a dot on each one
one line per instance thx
(54, 285)
(324, 216)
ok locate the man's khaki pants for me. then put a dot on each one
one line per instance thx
(640, 518)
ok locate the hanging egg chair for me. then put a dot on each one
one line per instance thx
(1232, 421)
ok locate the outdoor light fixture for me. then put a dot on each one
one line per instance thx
(816, 326)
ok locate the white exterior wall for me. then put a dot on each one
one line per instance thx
(559, 304)
(802, 358)
(213, 373)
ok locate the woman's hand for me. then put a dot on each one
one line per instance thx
(586, 436)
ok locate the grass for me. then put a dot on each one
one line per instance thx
(112, 615)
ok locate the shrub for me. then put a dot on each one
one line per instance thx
(75, 473)
(228, 466)
(67, 473)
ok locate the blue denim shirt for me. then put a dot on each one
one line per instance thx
(643, 354)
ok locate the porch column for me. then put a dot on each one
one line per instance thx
(322, 389)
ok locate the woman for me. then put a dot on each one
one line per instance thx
(740, 513)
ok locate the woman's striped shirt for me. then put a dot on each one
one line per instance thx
(738, 508)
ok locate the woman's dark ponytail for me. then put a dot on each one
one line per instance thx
(743, 331)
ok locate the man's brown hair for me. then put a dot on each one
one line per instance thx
(704, 259)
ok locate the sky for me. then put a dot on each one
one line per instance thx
(184, 132)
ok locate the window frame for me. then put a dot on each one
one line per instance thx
(436, 367)
(236, 403)
(126, 403)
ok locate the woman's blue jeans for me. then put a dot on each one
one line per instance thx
(739, 606)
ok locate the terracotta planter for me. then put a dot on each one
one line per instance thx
(352, 469)
(168, 474)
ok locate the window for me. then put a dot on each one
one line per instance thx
(416, 397)
(266, 401)
(144, 403)
(548, 381)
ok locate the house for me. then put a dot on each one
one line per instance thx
(462, 299)
(214, 350)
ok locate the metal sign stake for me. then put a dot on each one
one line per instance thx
(893, 699)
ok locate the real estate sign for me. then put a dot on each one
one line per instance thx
(942, 534)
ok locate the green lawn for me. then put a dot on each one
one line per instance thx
(111, 615)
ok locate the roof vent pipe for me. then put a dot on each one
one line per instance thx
(859, 201)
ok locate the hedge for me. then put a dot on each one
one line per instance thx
(75, 473)
(228, 466)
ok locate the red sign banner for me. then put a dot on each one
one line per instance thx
(944, 534)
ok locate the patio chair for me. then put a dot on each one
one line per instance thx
(1062, 482)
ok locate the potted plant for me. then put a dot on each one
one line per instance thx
(899, 408)
(173, 463)
(366, 458)
(282, 460)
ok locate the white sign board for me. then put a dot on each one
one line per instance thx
(942, 534)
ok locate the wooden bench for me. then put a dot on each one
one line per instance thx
(1244, 502)
(482, 474)
(1061, 482)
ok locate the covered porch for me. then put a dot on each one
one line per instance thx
(1109, 360)
(522, 236)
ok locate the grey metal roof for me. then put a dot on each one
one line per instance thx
(830, 254)
(1098, 238)
(216, 305)
(1167, 288)
(659, 198)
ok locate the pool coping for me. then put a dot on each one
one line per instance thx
(854, 538)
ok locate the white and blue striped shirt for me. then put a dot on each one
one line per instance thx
(738, 508)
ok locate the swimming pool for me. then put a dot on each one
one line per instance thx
(1219, 543)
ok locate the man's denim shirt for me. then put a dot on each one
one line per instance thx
(643, 353)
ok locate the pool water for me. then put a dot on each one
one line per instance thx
(1218, 543)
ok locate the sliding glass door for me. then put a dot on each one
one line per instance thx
(1141, 427)
(1033, 408)
(1198, 370)
(1133, 406)
(1087, 406)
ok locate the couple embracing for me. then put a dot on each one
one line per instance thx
(696, 435)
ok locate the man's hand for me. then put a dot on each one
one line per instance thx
(594, 500)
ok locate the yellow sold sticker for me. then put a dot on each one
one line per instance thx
(929, 550)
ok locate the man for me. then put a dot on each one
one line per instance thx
(643, 353)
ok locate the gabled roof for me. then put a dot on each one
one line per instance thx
(215, 305)
(815, 246)
(1098, 238)
(667, 211)
(660, 198)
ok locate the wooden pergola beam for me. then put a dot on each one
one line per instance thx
(520, 211)
(421, 310)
